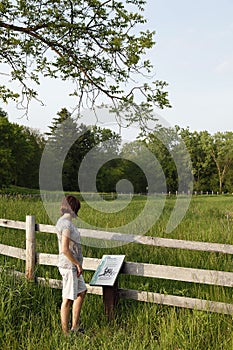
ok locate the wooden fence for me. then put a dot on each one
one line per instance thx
(210, 277)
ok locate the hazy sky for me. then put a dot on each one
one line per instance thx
(193, 53)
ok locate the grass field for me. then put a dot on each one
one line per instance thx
(29, 314)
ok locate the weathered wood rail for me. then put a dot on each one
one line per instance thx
(210, 277)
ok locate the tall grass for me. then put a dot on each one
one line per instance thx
(29, 313)
(29, 317)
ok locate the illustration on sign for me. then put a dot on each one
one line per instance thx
(107, 270)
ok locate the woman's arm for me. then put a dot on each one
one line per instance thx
(65, 242)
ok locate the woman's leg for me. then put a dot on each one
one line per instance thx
(65, 313)
(76, 309)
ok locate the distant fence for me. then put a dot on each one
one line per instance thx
(209, 277)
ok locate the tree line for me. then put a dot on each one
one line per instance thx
(21, 149)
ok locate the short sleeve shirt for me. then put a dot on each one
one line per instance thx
(74, 245)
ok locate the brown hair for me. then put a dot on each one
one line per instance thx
(70, 205)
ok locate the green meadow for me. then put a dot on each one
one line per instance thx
(29, 313)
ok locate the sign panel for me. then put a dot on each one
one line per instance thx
(107, 271)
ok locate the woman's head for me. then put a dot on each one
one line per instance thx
(70, 205)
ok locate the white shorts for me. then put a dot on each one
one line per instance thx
(72, 285)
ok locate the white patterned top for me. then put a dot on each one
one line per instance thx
(65, 226)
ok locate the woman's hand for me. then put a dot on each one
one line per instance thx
(79, 270)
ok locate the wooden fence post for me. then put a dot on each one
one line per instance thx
(110, 298)
(30, 247)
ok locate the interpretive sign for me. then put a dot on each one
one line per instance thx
(107, 271)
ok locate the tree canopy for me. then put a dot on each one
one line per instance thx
(20, 153)
(69, 142)
(96, 44)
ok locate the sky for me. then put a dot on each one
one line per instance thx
(193, 54)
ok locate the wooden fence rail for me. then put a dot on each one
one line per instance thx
(210, 277)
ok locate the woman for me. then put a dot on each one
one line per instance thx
(70, 264)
